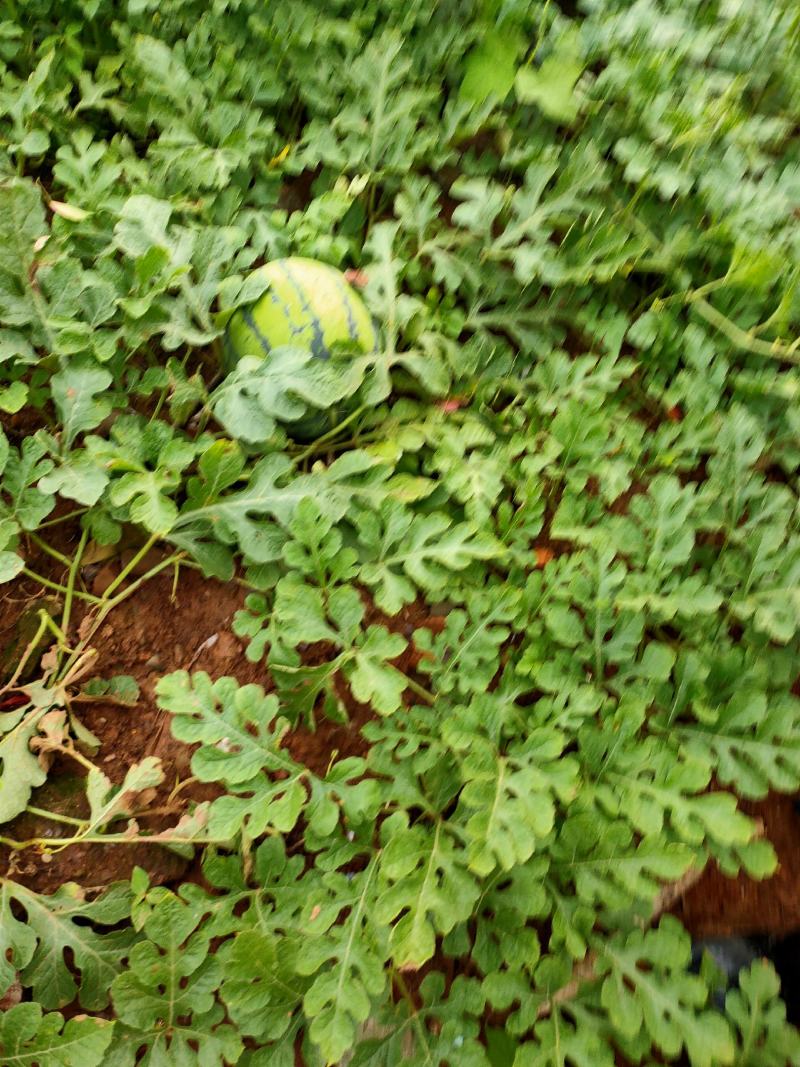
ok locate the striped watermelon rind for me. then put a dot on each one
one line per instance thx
(308, 304)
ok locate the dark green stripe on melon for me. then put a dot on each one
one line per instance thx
(264, 344)
(317, 339)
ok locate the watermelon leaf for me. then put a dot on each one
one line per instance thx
(29, 1037)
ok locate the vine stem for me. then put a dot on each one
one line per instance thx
(71, 577)
(41, 543)
(176, 557)
(405, 992)
(58, 588)
(420, 690)
(688, 295)
(180, 786)
(60, 843)
(126, 570)
(54, 816)
(62, 518)
(741, 338)
(69, 750)
(314, 447)
(108, 605)
(26, 655)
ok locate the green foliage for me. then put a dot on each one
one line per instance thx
(541, 569)
(35, 945)
(258, 392)
(761, 1019)
(29, 1037)
(403, 554)
(171, 966)
(650, 988)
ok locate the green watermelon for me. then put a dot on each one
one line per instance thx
(307, 304)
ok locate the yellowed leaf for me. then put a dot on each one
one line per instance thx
(68, 211)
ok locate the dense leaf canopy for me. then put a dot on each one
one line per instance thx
(571, 462)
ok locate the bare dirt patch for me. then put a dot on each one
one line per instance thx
(716, 906)
(158, 630)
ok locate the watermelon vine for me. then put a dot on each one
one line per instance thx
(534, 546)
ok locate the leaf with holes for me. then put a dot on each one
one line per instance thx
(764, 1038)
(30, 1039)
(261, 987)
(426, 888)
(647, 987)
(61, 923)
(165, 1000)
(346, 960)
(403, 552)
(753, 743)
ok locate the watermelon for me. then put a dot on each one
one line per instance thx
(307, 304)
